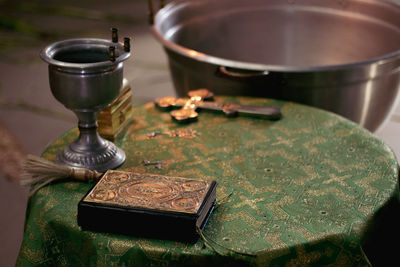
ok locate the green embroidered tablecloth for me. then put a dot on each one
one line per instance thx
(303, 190)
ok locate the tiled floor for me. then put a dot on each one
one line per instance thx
(30, 118)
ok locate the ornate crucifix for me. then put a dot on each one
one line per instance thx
(200, 99)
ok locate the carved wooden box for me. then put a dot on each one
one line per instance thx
(113, 119)
(148, 205)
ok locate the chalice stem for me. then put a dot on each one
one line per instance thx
(90, 150)
(88, 134)
(86, 119)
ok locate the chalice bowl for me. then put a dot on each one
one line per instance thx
(86, 75)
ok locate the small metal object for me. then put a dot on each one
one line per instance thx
(188, 106)
(188, 112)
(158, 164)
(185, 133)
(111, 51)
(233, 109)
(127, 44)
(204, 93)
(169, 102)
(184, 115)
(114, 35)
(153, 134)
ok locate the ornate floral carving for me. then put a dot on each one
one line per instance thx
(149, 191)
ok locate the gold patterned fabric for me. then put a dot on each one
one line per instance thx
(301, 191)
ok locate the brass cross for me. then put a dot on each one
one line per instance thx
(198, 99)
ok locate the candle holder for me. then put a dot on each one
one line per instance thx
(86, 75)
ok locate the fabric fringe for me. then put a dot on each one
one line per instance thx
(211, 244)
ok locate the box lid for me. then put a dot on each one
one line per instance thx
(150, 191)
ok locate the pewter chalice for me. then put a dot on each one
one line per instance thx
(86, 75)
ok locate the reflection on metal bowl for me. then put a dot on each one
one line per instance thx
(342, 56)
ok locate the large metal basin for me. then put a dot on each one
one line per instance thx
(339, 55)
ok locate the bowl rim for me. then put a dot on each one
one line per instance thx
(393, 57)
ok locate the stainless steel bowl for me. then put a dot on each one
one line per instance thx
(339, 55)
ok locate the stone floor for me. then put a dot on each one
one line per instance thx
(30, 117)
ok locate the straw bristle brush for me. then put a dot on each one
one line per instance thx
(38, 172)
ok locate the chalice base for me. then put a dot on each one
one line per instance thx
(105, 156)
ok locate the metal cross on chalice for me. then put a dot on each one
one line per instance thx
(86, 75)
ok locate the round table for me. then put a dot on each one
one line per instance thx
(303, 190)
